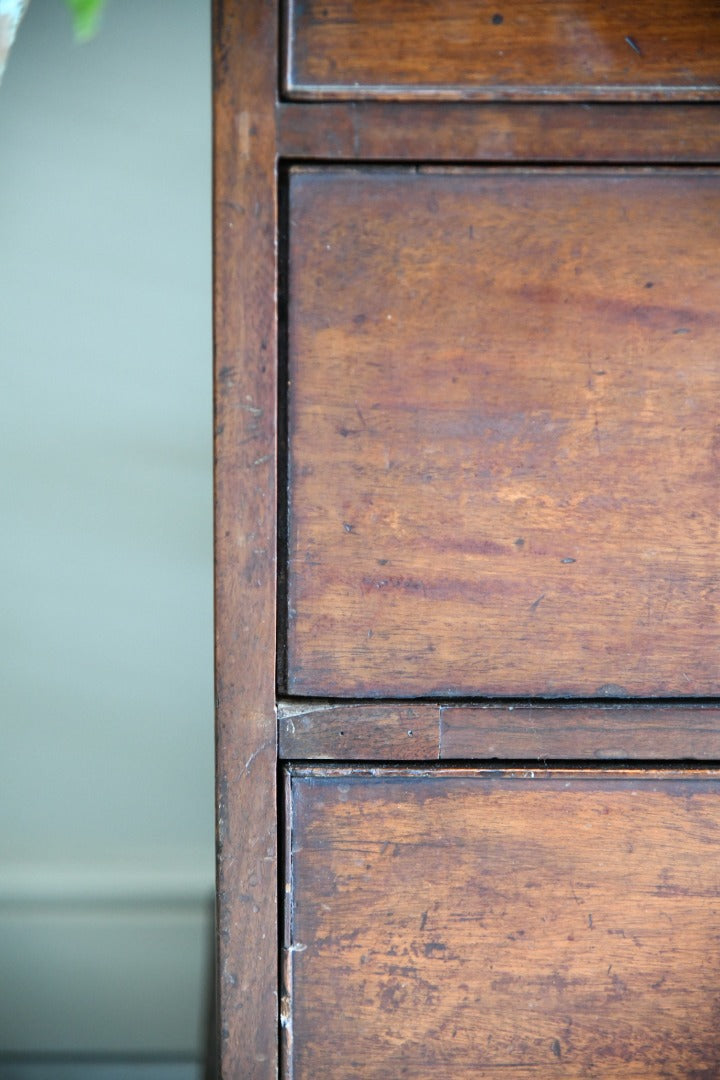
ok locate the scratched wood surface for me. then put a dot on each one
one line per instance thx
(581, 49)
(358, 731)
(520, 730)
(245, 534)
(502, 403)
(590, 732)
(458, 924)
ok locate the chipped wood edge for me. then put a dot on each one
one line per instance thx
(359, 731)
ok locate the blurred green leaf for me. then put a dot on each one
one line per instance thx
(86, 17)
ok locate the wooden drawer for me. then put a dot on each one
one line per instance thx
(466, 414)
(452, 924)
(459, 49)
(503, 432)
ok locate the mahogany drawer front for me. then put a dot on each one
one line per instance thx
(447, 924)
(462, 49)
(503, 432)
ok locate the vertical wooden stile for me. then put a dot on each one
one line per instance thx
(244, 43)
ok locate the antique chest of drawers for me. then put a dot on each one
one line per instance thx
(467, 443)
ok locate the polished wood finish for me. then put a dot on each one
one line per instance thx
(449, 924)
(563, 49)
(533, 731)
(417, 131)
(503, 446)
(245, 534)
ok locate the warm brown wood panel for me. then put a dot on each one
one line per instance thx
(575, 732)
(419, 131)
(503, 411)
(245, 201)
(454, 924)
(566, 49)
(358, 731)
(599, 731)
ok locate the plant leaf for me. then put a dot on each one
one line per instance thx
(86, 17)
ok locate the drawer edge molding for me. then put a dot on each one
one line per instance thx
(486, 731)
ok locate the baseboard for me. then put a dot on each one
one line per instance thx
(105, 963)
(52, 1068)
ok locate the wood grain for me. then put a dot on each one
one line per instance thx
(453, 924)
(507, 731)
(419, 131)
(358, 732)
(503, 433)
(503, 440)
(564, 49)
(598, 732)
(245, 532)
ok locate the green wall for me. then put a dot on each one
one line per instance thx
(106, 744)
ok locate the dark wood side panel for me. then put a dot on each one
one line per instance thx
(391, 131)
(245, 409)
(503, 433)
(533, 731)
(454, 924)
(564, 49)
